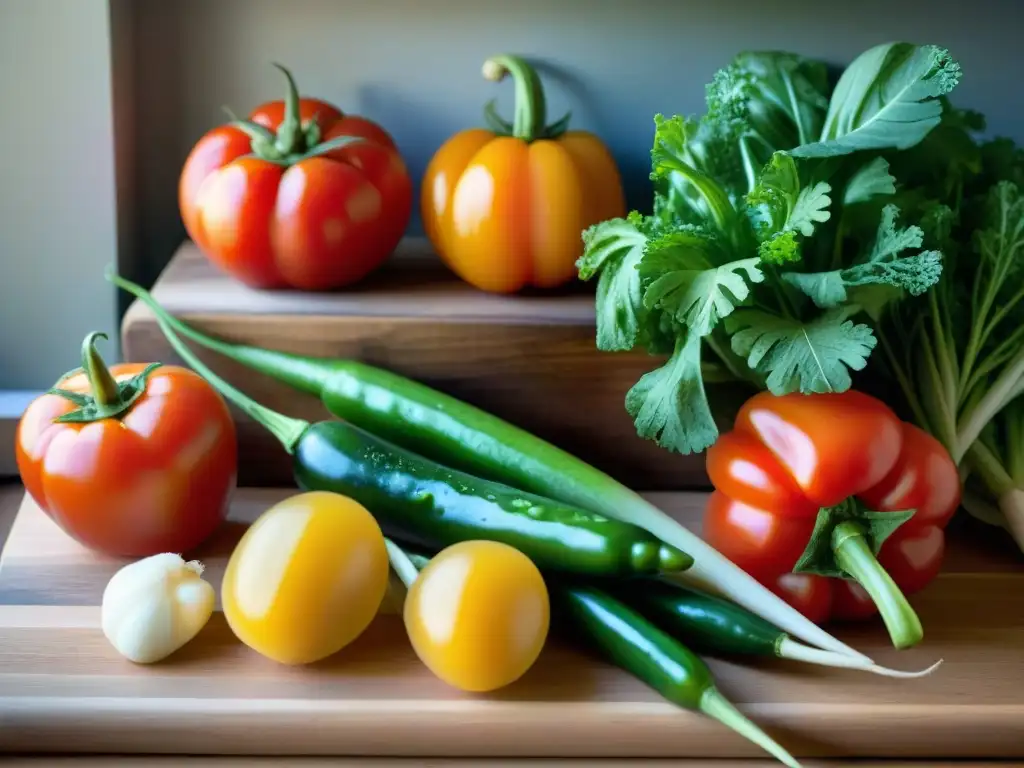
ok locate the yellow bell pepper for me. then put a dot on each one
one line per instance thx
(505, 207)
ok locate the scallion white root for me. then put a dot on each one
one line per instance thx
(791, 649)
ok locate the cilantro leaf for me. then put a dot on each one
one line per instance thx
(780, 205)
(810, 208)
(825, 289)
(802, 357)
(889, 240)
(882, 266)
(669, 404)
(887, 98)
(914, 274)
(869, 181)
(682, 279)
(614, 248)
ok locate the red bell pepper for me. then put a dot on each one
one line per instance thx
(834, 503)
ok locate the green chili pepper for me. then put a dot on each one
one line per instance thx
(423, 503)
(632, 643)
(461, 436)
(629, 641)
(418, 500)
(711, 625)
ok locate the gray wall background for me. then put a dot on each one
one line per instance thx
(158, 74)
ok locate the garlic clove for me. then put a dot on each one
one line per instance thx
(154, 606)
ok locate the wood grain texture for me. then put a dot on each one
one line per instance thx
(63, 688)
(530, 359)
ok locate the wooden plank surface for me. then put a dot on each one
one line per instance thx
(530, 359)
(62, 687)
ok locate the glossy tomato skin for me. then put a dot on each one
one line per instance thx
(506, 214)
(812, 595)
(761, 541)
(789, 456)
(318, 224)
(156, 479)
(478, 615)
(306, 579)
(831, 445)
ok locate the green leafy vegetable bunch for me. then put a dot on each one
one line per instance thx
(956, 354)
(777, 239)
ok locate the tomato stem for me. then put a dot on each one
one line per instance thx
(290, 136)
(854, 556)
(105, 391)
(329, 146)
(261, 138)
(311, 131)
(266, 147)
(530, 111)
(108, 398)
(294, 140)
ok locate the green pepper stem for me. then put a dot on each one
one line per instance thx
(286, 429)
(788, 648)
(104, 387)
(854, 556)
(305, 374)
(530, 111)
(716, 706)
(402, 563)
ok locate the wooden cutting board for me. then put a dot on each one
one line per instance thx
(530, 359)
(63, 688)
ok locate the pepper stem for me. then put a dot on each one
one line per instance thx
(286, 429)
(716, 706)
(290, 136)
(104, 388)
(854, 556)
(530, 111)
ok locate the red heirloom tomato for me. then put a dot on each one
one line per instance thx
(838, 489)
(131, 461)
(297, 196)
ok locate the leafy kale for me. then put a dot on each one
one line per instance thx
(773, 230)
(886, 98)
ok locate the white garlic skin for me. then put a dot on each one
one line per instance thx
(152, 607)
